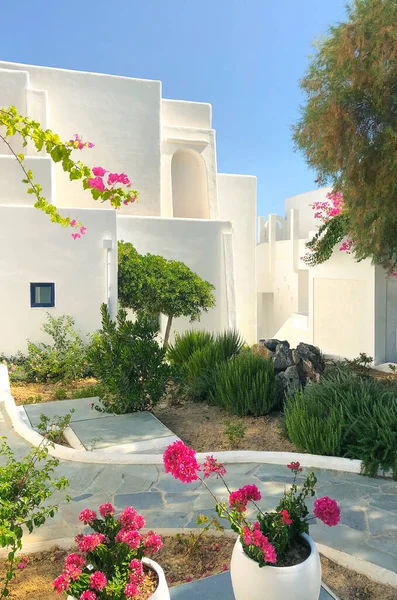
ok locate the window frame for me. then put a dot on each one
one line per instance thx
(33, 286)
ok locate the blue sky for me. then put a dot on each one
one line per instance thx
(245, 57)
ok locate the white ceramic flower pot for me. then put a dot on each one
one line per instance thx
(299, 582)
(162, 592)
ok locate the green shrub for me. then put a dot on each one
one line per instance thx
(91, 391)
(235, 432)
(196, 376)
(63, 360)
(187, 343)
(60, 394)
(245, 385)
(347, 415)
(128, 363)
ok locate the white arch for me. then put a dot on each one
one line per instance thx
(189, 185)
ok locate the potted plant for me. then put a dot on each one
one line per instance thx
(111, 563)
(274, 557)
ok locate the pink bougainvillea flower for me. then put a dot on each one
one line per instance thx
(88, 595)
(211, 465)
(285, 517)
(240, 498)
(83, 230)
(295, 466)
(130, 590)
(61, 583)
(22, 563)
(247, 536)
(118, 178)
(97, 183)
(74, 560)
(99, 171)
(90, 144)
(106, 510)
(130, 519)
(137, 575)
(73, 223)
(131, 538)
(327, 510)
(98, 581)
(87, 516)
(87, 543)
(75, 236)
(270, 554)
(180, 461)
(152, 542)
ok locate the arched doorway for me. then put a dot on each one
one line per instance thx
(189, 185)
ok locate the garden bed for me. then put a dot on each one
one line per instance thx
(202, 427)
(34, 393)
(210, 556)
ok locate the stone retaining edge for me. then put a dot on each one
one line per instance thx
(333, 463)
(372, 571)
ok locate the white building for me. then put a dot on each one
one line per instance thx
(187, 211)
(341, 306)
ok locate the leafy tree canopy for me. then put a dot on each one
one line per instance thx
(153, 284)
(348, 125)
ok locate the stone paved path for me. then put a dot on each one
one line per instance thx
(369, 506)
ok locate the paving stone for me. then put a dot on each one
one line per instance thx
(140, 500)
(81, 497)
(355, 518)
(385, 501)
(344, 491)
(170, 485)
(240, 469)
(184, 499)
(385, 543)
(166, 519)
(79, 475)
(380, 521)
(389, 488)
(208, 513)
(60, 408)
(125, 478)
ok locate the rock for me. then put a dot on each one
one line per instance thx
(311, 357)
(272, 344)
(283, 357)
(287, 382)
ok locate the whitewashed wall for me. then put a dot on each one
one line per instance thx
(199, 244)
(237, 203)
(32, 249)
(120, 115)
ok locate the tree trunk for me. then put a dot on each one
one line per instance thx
(167, 331)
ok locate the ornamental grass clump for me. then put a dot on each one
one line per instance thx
(109, 563)
(274, 534)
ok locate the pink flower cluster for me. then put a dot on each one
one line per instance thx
(211, 465)
(74, 564)
(240, 498)
(131, 520)
(180, 461)
(77, 142)
(87, 543)
(285, 517)
(77, 225)
(98, 581)
(295, 467)
(152, 542)
(256, 538)
(97, 182)
(327, 510)
(131, 537)
(87, 516)
(22, 563)
(88, 595)
(330, 208)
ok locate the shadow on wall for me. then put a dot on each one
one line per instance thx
(189, 185)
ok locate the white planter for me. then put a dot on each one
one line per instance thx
(162, 591)
(299, 582)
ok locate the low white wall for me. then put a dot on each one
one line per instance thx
(13, 192)
(180, 113)
(32, 249)
(237, 203)
(303, 202)
(197, 243)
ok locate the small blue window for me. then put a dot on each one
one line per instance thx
(42, 295)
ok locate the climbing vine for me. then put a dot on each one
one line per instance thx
(103, 184)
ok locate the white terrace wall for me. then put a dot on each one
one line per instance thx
(237, 203)
(199, 244)
(119, 114)
(32, 249)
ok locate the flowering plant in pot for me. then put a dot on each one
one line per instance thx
(275, 553)
(111, 562)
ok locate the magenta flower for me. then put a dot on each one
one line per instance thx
(137, 575)
(73, 223)
(180, 461)
(87, 516)
(285, 517)
(131, 538)
(211, 465)
(295, 466)
(98, 581)
(75, 236)
(327, 510)
(152, 542)
(98, 171)
(130, 590)
(97, 183)
(106, 510)
(83, 230)
(87, 543)
(240, 498)
(130, 519)
(74, 560)
(61, 583)
(88, 595)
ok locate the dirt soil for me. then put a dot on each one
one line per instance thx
(203, 428)
(182, 563)
(28, 393)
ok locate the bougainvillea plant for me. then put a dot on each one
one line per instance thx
(273, 534)
(332, 231)
(109, 564)
(103, 184)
